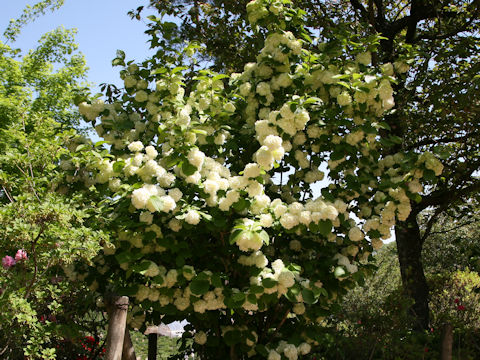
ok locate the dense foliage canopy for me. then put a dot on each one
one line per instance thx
(210, 185)
(45, 224)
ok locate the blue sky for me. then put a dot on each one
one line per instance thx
(103, 27)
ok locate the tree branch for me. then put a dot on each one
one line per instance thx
(449, 196)
(7, 194)
(453, 228)
(431, 221)
(431, 141)
(34, 253)
(357, 5)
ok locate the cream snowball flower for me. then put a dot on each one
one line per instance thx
(151, 152)
(291, 352)
(192, 217)
(344, 99)
(273, 355)
(196, 157)
(135, 146)
(355, 234)
(140, 197)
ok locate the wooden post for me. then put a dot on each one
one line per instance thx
(116, 327)
(128, 352)
(152, 346)
(447, 342)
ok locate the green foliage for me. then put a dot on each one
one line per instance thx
(47, 221)
(30, 13)
(373, 320)
(456, 300)
(453, 244)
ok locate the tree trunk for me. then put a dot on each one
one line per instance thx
(409, 246)
(128, 352)
(116, 327)
(447, 342)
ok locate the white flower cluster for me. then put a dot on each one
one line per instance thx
(91, 111)
(257, 259)
(431, 162)
(290, 351)
(142, 199)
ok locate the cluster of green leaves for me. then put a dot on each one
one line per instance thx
(51, 222)
(30, 13)
(373, 321)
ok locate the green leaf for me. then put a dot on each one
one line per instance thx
(141, 268)
(128, 291)
(269, 283)
(157, 202)
(384, 125)
(262, 350)
(123, 257)
(240, 205)
(429, 175)
(200, 132)
(239, 297)
(325, 227)
(337, 155)
(264, 236)
(232, 337)
(199, 287)
(188, 169)
(256, 289)
(178, 69)
(118, 166)
(344, 84)
(313, 100)
(219, 77)
(120, 54)
(308, 296)
(252, 299)
(100, 143)
(171, 161)
(234, 235)
(216, 281)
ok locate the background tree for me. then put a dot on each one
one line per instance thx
(46, 224)
(433, 103)
(371, 321)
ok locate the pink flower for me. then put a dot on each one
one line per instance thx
(21, 255)
(8, 262)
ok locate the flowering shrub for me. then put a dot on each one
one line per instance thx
(213, 187)
(456, 299)
(91, 349)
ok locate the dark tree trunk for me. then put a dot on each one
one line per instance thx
(409, 246)
(447, 342)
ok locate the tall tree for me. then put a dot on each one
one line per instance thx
(45, 223)
(433, 109)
